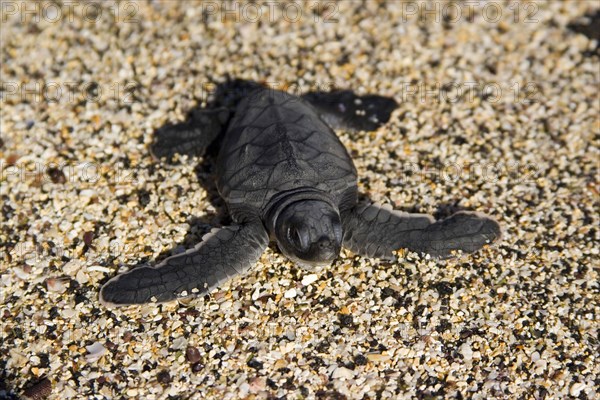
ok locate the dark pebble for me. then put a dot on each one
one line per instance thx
(460, 140)
(327, 301)
(192, 355)
(163, 377)
(346, 320)
(110, 345)
(243, 325)
(360, 360)
(254, 363)
(88, 237)
(44, 360)
(388, 292)
(444, 288)
(330, 395)
(289, 384)
(56, 175)
(271, 383)
(443, 326)
(197, 367)
(127, 336)
(143, 197)
(353, 292)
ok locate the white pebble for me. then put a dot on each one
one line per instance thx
(95, 350)
(82, 277)
(99, 268)
(69, 313)
(576, 388)
(378, 357)
(56, 285)
(289, 294)
(342, 373)
(87, 193)
(308, 279)
(179, 343)
(21, 273)
(466, 351)
(256, 294)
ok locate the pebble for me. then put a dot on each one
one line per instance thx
(378, 357)
(576, 389)
(309, 279)
(342, 373)
(192, 355)
(179, 343)
(466, 351)
(56, 285)
(290, 293)
(95, 351)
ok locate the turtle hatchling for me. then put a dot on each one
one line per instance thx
(285, 176)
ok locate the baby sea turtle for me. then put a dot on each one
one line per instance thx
(285, 175)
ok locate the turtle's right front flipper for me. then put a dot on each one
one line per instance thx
(222, 254)
(191, 137)
(374, 231)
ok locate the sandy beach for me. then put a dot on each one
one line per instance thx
(499, 113)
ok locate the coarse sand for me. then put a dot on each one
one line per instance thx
(499, 113)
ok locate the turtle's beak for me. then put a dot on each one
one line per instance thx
(325, 250)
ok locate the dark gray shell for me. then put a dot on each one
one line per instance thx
(276, 142)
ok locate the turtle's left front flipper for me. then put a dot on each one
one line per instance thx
(375, 231)
(191, 137)
(343, 109)
(222, 254)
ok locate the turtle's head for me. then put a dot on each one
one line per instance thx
(309, 232)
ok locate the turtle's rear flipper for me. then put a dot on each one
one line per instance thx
(375, 231)
(191, 137)
(222, 254)
(342, 109)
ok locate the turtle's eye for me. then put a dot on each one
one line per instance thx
(298, 238)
